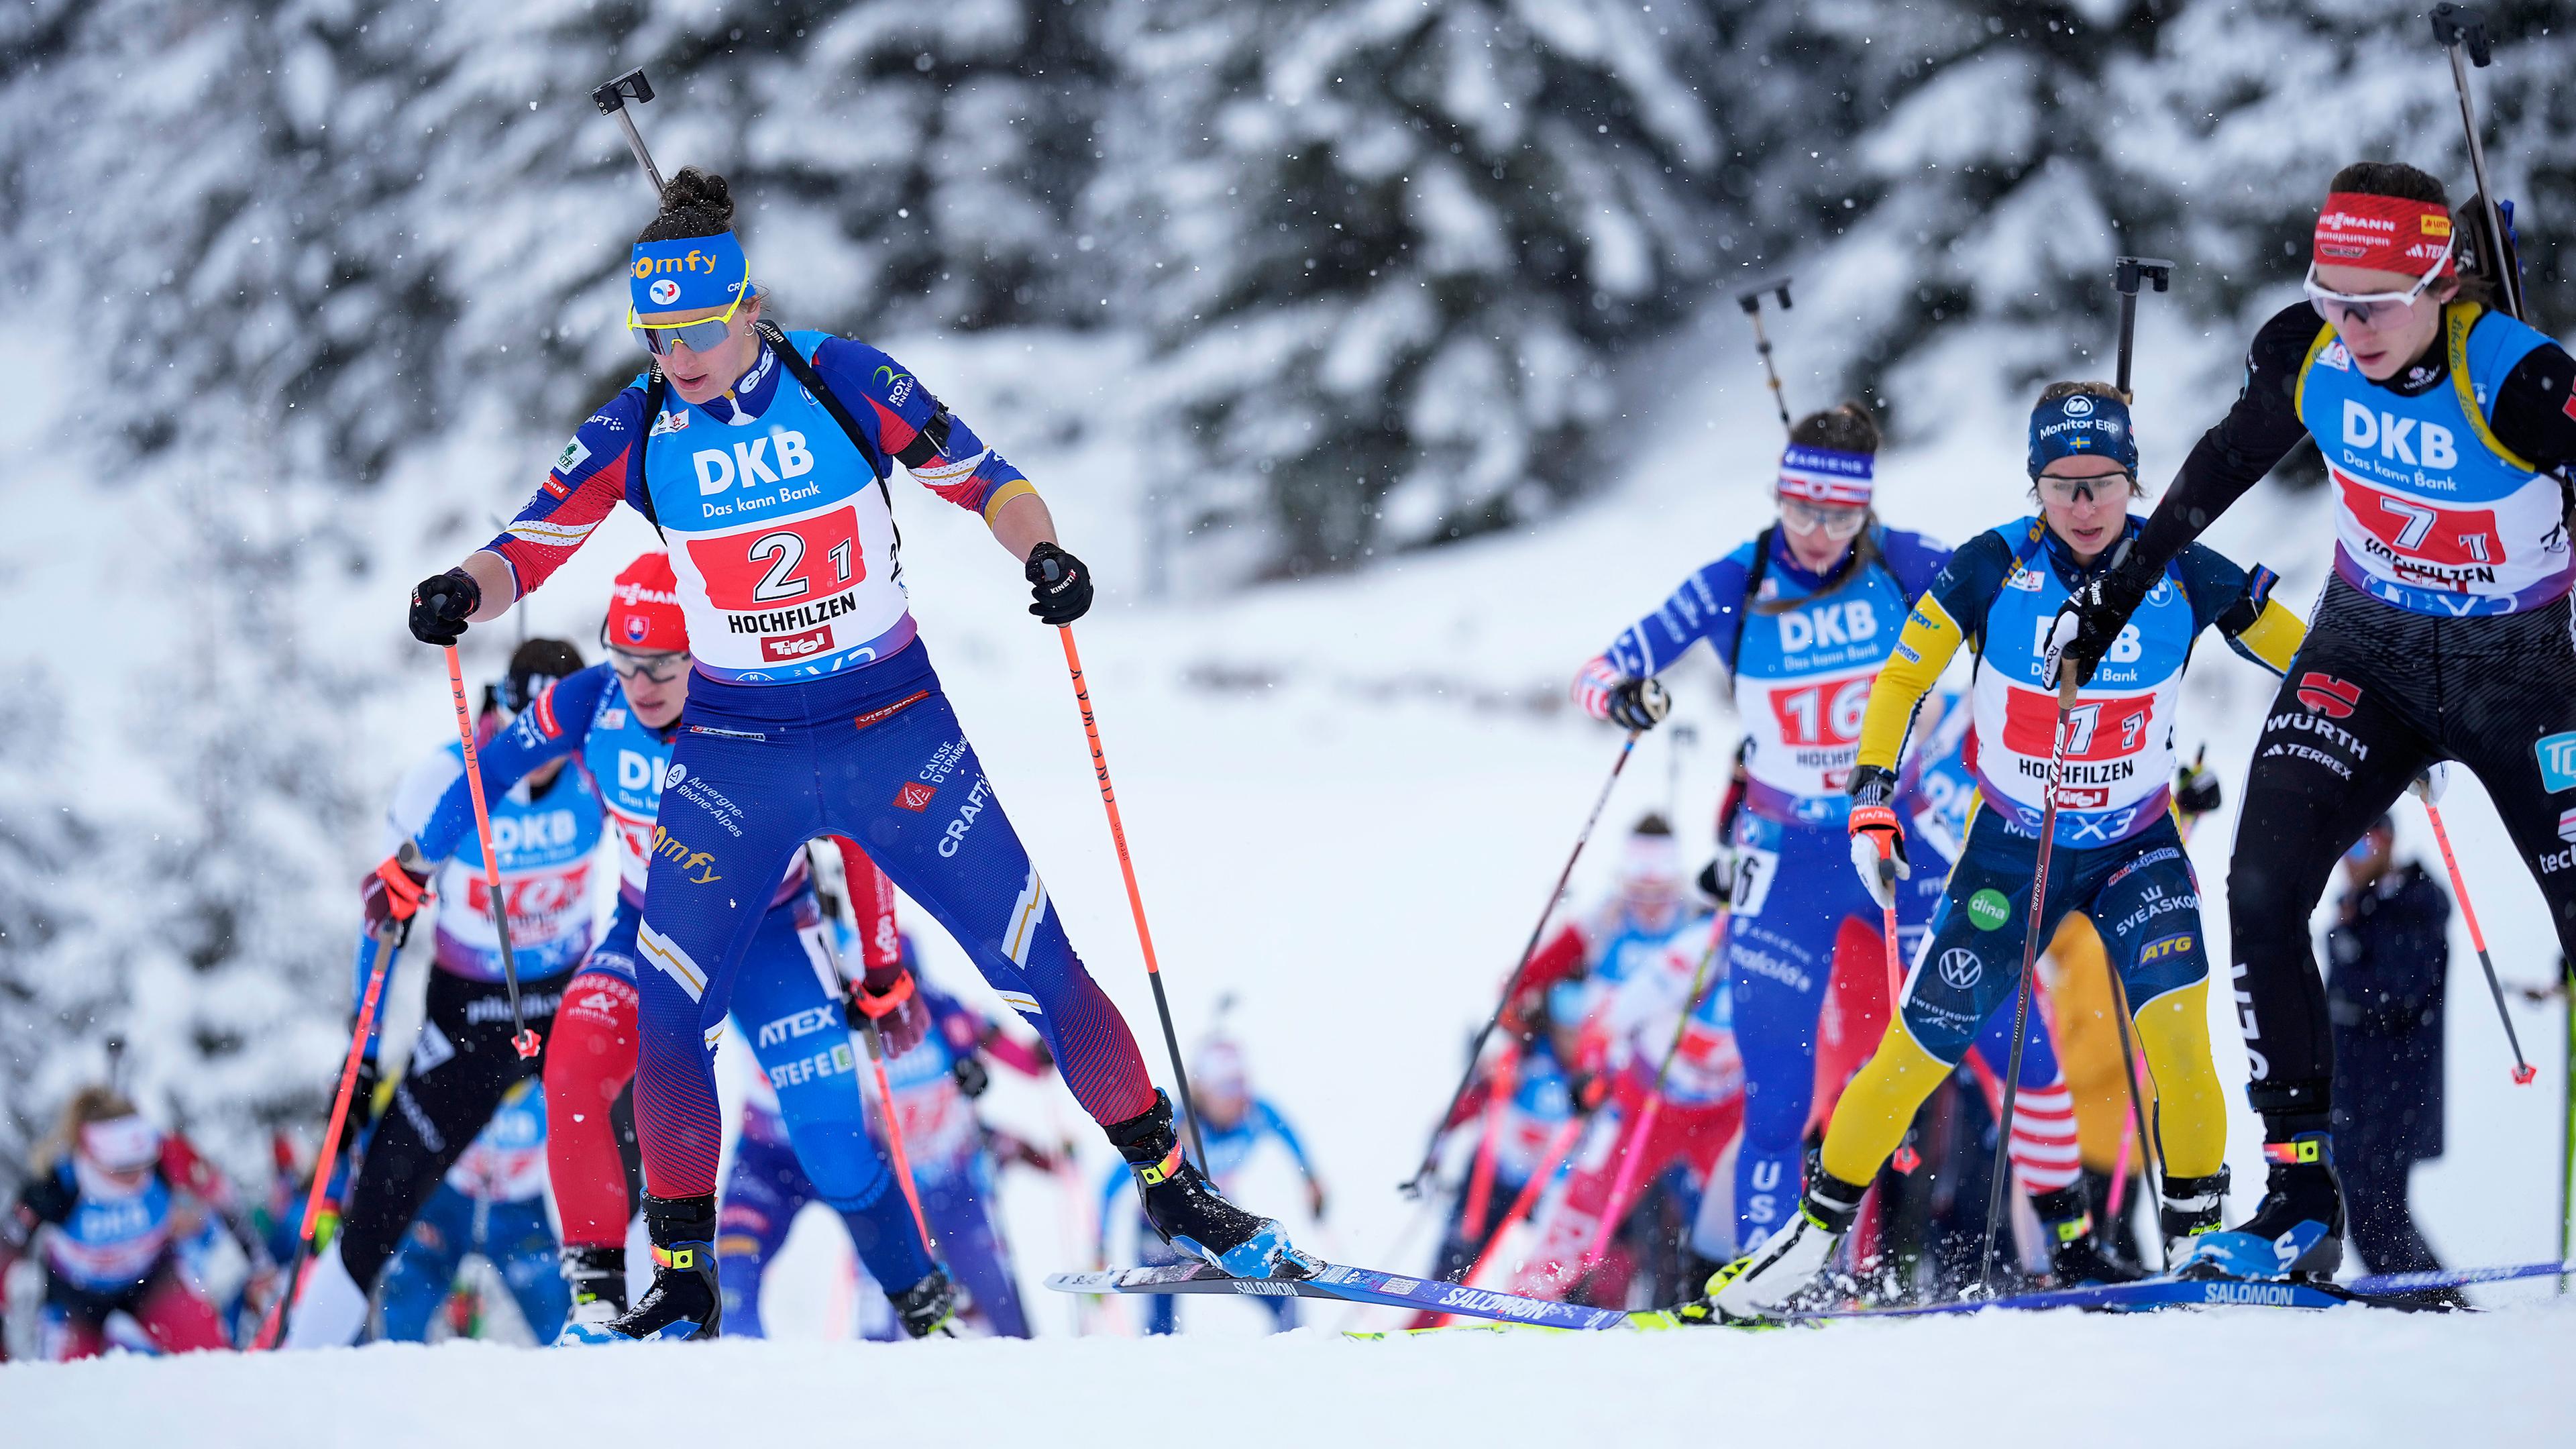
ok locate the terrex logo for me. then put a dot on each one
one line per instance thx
(2336, 698)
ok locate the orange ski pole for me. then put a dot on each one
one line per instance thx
(1135, 898)
(876, 1008)
(525, 1040)
(271, 1330)
(2523, 1070)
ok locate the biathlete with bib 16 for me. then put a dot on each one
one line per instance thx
(2443, 635)
(2116, 854)
(814, 710)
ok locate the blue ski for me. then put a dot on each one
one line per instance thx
(1348, 1285)
(2154, 1293)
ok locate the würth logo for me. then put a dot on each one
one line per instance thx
(914, 796)
(2326, 695)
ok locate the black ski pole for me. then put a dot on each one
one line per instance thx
(2463, 33)
(2129, 271)
(2029, 963)
(1751, 302)
(611, 100)
(1412, 1186)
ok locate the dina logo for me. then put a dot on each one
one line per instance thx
(1961, 968)
(664, 291)
(1988, 910)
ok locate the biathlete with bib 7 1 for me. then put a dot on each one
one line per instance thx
(2117, 855)
(2443, 635)
(814, 710)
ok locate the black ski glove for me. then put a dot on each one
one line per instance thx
(1639, 704)
(362, 1105)
(1061, 584)
(441, 605)
(2196, 791)
(972, 1077)
(1717, 879)
(2100, 609)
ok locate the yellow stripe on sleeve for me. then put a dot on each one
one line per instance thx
(1017, 487)
(1923, 650)
(2274, 636)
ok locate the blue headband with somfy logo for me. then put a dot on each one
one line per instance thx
(687, 274)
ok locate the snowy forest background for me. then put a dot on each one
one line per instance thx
(1393, 273)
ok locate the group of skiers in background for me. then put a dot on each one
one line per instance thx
(1716, 1089)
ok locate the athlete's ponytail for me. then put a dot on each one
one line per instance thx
(694, 203)
(1845, 428)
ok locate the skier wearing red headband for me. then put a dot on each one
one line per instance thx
(2443, 635)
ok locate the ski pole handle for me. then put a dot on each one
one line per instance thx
(524, 1040)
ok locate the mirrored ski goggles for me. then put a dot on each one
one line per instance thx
(2370, 309)
(2058, 489)
(704, 336)
(656, 668)
(1839, 523)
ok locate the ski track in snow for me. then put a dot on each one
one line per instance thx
(2246, 1376)
(1345, 798)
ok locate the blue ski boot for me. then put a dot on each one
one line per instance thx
(2296, 1231)
(1186, 1210)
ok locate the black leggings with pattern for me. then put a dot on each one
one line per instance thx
(2375, 696)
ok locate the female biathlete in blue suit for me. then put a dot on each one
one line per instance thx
(2117, 855)
(763, 458)
(1803, 616)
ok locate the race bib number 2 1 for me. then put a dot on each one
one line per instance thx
(802, 559)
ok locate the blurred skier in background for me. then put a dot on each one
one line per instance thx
(493, 1203)
(815, 711)
(1235, 1123)
(2444, 634)
(1803, 618)
(114, 1211)
(1540, 1094)
(619, 719)
(546, 831)
(953, 1155)
(2117, 853)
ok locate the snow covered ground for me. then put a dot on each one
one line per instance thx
(1346, 798)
